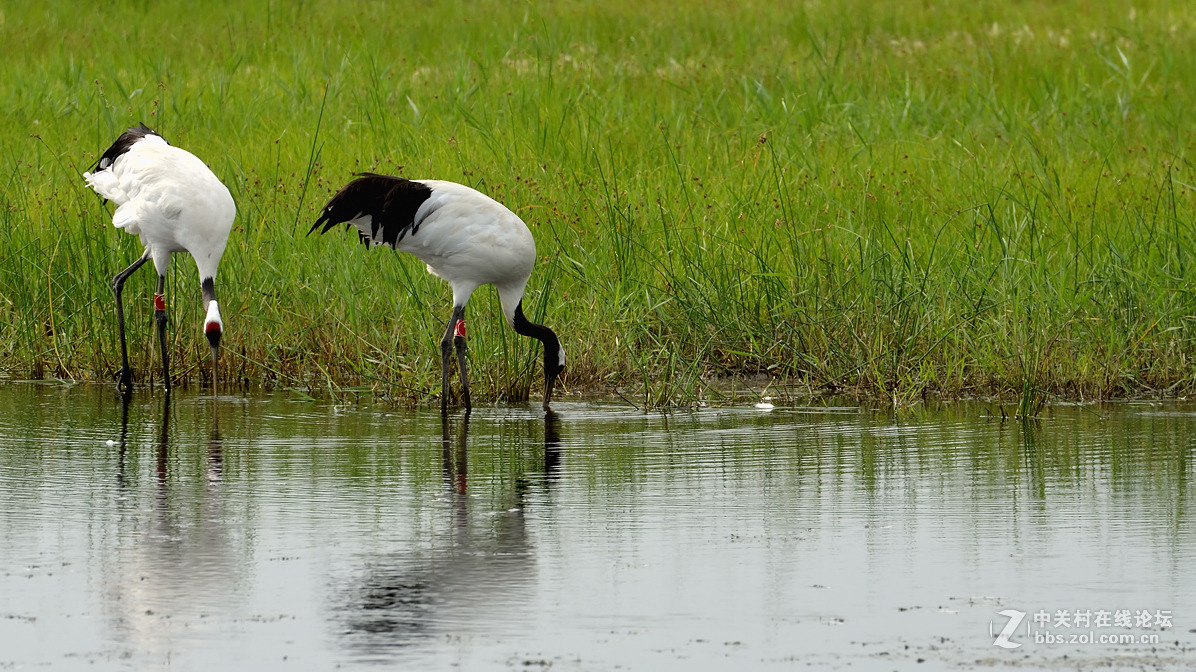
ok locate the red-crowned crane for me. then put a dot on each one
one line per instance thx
(174, 203)
(466, 238)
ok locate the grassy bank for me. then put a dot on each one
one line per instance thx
(886, 198)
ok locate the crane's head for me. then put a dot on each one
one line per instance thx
(213, 326)
(554, 364)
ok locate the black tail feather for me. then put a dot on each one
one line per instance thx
(390, 202)
(126, 141)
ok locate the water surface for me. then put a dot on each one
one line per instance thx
(264, 532)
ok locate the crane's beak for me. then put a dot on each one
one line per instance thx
(549, 383)
(215, 361)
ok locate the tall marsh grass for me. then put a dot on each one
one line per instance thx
(892, 199)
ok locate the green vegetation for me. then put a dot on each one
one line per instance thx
(891, 199)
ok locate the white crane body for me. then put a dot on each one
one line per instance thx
(464, 237)
(173, 202)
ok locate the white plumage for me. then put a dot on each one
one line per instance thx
(174, 203)
(171, 200)
(465, 237)
(479, 242)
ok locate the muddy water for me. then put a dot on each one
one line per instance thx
(250, 533)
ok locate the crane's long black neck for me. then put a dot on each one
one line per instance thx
(207, 288)
(552, 348)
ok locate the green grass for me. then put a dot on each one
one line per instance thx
(890, 199)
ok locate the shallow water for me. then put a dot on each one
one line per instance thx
(266, 533)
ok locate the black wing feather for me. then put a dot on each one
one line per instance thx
(122, 145)
(391, 202)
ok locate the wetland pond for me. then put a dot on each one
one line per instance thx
(264, 532)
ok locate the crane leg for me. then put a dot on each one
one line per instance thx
(446, 356)
(459, 343)
(125, 384)
(160, 318)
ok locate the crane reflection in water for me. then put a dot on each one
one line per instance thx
(480, 559)
(178, 562)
